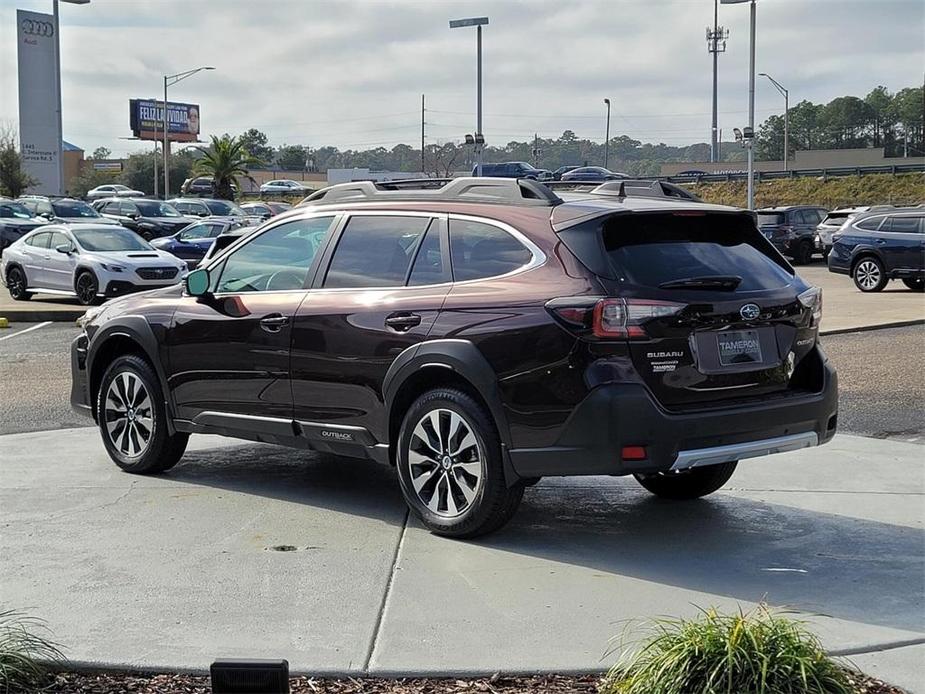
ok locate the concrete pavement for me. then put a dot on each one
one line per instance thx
(252, 550)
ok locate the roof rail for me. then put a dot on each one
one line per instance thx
(510, 191)
(628, 187)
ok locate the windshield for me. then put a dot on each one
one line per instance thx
(110, 240)
(225, 208)
(767, 219)
(74, 208)
(9, 210)
(152, 208)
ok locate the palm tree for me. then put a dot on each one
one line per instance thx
(224, 160)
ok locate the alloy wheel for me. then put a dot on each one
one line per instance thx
(16, 284)
(867, 274)
(445, 463)
(86, 288)
(129, 414)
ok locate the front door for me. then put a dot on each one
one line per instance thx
(382, 290)
(229, 351)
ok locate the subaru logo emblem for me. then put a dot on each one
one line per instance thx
(750, 311)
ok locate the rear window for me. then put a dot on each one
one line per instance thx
(835, 218)
(766, 219)
(650, 250)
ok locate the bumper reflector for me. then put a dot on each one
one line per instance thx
(634, 453)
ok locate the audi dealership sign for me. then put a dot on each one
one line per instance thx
(39, 136)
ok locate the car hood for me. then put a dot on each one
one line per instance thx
(152, 258)
(23, 223)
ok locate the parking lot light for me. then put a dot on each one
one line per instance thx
(786, 94)
(477, 22)
(170, 80)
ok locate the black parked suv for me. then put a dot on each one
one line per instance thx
(792, 229)
(878, 246)
(513, 169)
(150, 219)
(478, 336)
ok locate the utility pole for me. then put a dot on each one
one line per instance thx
(423, 170)
(536, 150)
(716, 44)
(751, 108)
(607, 137)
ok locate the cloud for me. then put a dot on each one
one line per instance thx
(351, 72)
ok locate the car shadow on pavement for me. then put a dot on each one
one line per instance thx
(836, 565)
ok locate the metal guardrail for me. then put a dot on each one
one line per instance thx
(833, 172)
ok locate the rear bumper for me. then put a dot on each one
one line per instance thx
(619, 415)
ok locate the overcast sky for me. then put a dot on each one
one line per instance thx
(351, 72)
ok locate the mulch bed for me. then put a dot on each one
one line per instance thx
(118, 683)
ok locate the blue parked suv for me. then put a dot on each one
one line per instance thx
(877, 247)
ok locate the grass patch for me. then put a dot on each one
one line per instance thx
(23, 651)
(756, 652)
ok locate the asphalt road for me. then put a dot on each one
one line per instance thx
(880, 379)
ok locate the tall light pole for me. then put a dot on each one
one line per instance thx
(58, 88)
(716, 44)
(786, 95)
(751, 101)
(607, 135)
(170, 80)
(477, 22)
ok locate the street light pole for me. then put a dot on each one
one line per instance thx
(477, 22)
(786, 95)
(57, 28)
(751, 109)
(607, 136)
(168, 81)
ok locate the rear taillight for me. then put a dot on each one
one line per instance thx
(622, 319)
(812, 299)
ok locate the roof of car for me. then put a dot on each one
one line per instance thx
(786, 208)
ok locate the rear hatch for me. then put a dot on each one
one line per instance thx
(710, 310)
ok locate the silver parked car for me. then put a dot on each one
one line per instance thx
(834, 221)
(114, 190)
(90, 262)
(285, 187)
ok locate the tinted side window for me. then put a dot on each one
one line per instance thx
(40, 240)
(870, 224)
(128, 208)
(903, 225)
(112, 208)
(59, 239)
(278, 259)
(480, 250)
(375, 251)
(197, 231)
(429, 266)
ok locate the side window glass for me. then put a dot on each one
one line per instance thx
(905, 225)
(59, 239)
(214, 230)
(480, 250)
(196, 231)
(40, 240)
(800, 217)
(429, 266)
(870, 224)
(127, 208)
(278, 259)
(111, 208)
(375, 251)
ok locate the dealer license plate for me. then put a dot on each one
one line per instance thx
(739, 347)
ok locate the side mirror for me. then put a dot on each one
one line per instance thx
(64, 248)
(197, 282)
(47, 215)
(132, 215)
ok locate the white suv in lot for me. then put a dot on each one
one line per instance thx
(91, 262)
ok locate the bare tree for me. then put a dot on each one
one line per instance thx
(441, 159)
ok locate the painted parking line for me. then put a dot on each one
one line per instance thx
(27, 330)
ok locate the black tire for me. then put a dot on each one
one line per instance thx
(916, 285)
(803, 254)
(161, 450)
(16, 284)
(86, 286)
(493, 502)
(688, 484)
(868, 274)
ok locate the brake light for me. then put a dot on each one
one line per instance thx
(812, 299)
(625, 318)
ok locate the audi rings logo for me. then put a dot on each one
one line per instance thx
(31, 27)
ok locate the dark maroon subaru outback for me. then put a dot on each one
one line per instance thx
(478, 335)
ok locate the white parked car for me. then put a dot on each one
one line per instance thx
(114, 190)
(834, 221)
(91, 262)
(285, 186)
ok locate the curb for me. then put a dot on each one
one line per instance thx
(40, 315)
(877, 326)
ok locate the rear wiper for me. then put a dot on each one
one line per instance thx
(726, 283)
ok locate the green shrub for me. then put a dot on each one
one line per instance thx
(24, 653)
(757, 652)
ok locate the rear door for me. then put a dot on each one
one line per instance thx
(383, 282)
(900, 240)
(35, 251)
(718, 311)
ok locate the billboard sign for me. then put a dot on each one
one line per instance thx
(108, 166)
(146, 118)
(39, 136)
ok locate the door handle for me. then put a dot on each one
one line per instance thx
(274, 322)
(403, 321)
(881, 241)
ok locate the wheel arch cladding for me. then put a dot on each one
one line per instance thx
(444, 364)
(130, 335)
